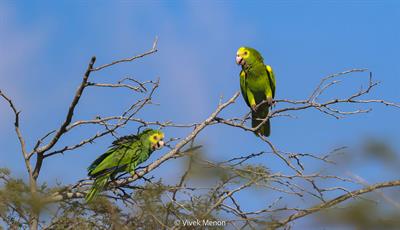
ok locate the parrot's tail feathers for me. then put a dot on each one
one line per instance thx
(98, 186)
(257, 119)
(266, 129)
(92, 194)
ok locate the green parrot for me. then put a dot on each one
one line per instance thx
(257, 84)
(123, 156)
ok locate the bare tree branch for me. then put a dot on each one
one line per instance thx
(71, 109)
(151, 51)
(337, 200)
(18, 132)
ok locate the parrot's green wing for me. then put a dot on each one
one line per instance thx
(96, 163)
(116, 163)
(115, 157)
(115, 144)
(272, 81)
(243, 87)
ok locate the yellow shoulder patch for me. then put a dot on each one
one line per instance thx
(269, 68)
(242, 74)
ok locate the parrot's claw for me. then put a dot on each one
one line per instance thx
(254, 108)
(270, 101)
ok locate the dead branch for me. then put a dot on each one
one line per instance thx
(335, 201)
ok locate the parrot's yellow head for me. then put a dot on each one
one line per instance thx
(156, 140)
(153, 138)
(247, 56)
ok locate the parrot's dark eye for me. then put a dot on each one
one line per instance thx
(245, 53)
(155, 137)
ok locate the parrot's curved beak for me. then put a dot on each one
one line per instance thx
(239, 60)
(160, 144)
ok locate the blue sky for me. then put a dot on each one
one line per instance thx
(45, 48)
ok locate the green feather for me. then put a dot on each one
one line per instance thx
(98, 185)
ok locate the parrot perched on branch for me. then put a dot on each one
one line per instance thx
(123, 156)
(257, 84)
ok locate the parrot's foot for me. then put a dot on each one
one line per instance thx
(270, 101)
(254, 108)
